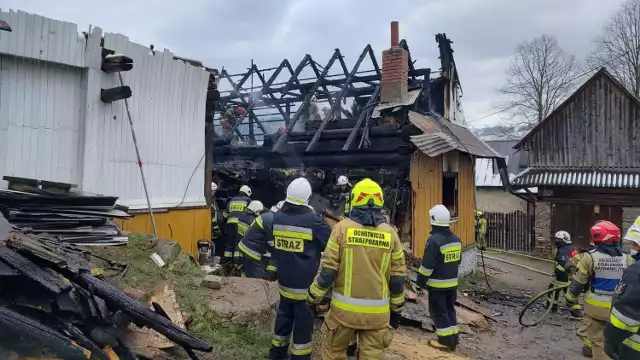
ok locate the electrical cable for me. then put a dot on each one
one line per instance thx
(189, 183)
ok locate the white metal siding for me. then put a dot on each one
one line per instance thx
(39, 119)
(168, 107)
(53, 125)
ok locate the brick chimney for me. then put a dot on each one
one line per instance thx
(395, 69)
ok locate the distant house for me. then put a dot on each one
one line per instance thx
(491, 195)
(585, 160)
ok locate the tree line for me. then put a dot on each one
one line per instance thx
(542, 74)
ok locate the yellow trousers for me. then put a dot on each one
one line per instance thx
(336, 339)
(583, 331)
(595, 334)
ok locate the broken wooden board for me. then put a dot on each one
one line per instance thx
(469, 304)
(407, 347)
(147, 342)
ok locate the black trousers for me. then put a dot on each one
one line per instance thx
(252, 269)
(294, 319)
(442, 309)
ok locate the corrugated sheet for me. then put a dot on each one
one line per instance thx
(168, 108)
(40, 120)
(485, 174)
(410, 100)
(578, 178)
(442, 136)
(36, 37)
(53, 125)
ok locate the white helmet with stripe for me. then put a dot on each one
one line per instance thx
(563, 236)
(299, 192)
(246, 190)
(255, 206)
(440, 216)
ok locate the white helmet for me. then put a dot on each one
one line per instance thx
(245, 189)
(214, 187)
(299, 192)
(563, 236)
(440, 216)
(255, 206)
(342, 180)
(277, 207)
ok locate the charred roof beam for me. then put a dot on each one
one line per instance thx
(305, 104)
(237, 87)
(365, 114)
(331, 114)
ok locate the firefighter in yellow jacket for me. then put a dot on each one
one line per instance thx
(585, 323)
(364, 262)
(601, 270)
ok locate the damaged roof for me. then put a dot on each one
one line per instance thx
(441, 136)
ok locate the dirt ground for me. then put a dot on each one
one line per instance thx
(512, 286)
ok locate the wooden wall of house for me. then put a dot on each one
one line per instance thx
(186, 226)
(598, 126)
(426, 183)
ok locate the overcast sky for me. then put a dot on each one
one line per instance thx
(230, 33)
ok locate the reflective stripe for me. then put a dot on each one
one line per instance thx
(439, 223)
(293, 294)
(333, 245)
(250, 253)
(258, 221)
(560, 267)
(633, 342)
(290, 231)
(291, 199)
(232, 220)
(397, 255)
(424, 271)
(267, 255)
(451, 247)
(361, 306)
(316, 290)
(272, 268)
(228, 254)
(384, 267)
(442, 283)
(448, 331)
(603, 301)
(280, 341)
(397, 300)
(348, 271)
(302, 349)
(623, 322)
(236, 254)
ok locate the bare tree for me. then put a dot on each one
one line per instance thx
(618, 47)
(539, 77)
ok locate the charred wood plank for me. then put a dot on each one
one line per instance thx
(49, 280)
(365, 114)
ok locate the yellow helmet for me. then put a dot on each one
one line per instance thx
(366, 191)
(479, 212)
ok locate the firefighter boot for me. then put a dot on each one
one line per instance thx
(436, 345)
(587, 352)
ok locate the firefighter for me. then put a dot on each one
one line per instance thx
(621, 337)
(344, 188)
(582, 331)
(439, 274)
(603, 266)
(235, 208)
(217, 218)
(245, 219)
(631, 240)
(564, 251)
(364, 264)
(481, 229)
(300, 236)
(257, 245)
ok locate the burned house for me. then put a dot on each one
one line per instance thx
(585, 160)
(398, 124)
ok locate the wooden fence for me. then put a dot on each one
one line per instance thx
(512, 232)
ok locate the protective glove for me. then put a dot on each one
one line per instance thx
(312, 299)
(394, 320)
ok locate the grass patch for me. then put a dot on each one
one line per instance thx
(231, 342)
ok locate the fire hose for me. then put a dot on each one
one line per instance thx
(550, 294)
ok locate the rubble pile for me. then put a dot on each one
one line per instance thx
(57, 209)
(51, 304)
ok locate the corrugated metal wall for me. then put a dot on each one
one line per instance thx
(56, 127)
(40, 120)
(426, 182)
(598, 127)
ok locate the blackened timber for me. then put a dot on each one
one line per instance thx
(253, 116)
(365, 114)
(282, 113)
(305, 103)
(331, 114)
(324, 87)
(404, 45)
(320, 95)
(275, 74)
(296, 73)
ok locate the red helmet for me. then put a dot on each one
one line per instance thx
(605, 232)
(240, 111)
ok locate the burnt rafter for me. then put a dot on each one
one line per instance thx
(289, 89)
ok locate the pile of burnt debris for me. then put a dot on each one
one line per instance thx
(57, 209)
(52, 305)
